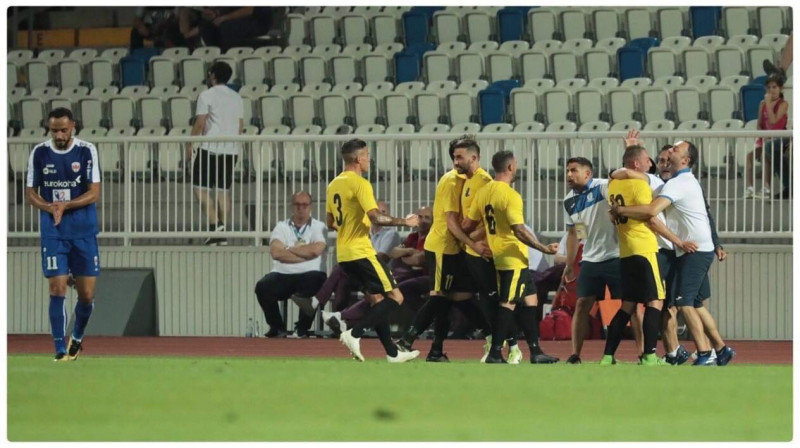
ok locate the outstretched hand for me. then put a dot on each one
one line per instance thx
(632, 138)
(412, 220)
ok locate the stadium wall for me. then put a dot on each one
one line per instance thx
(205, 291)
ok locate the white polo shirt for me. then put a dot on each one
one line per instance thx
(688, 211)
(289, 235)
(587, 211)
(536, 260)
(224, 108)
(655, 184)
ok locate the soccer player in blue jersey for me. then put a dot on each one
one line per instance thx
(64, 184)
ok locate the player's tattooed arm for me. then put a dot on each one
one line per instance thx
(660, 228)
(642, 212)
(625, 173)
(378, 219)
(525, 235)
(462, 231)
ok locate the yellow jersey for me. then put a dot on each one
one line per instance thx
(500, 207)
(349, 197)
(471, 187)
(635, 237)
(448, 190)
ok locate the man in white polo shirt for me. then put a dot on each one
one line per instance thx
(683, 201)
(586, 214)
(219, 113)
(296, 247)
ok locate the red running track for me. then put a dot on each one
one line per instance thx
(747, 352)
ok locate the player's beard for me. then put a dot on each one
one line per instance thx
(514, 178)
(62, 144)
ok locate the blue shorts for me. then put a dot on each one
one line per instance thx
(690, 285)
(81, 257)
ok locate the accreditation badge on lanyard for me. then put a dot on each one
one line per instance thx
(580, 230)
(299, 233)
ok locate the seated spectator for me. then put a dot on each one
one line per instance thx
(384, 239)
(231, 27)
(409, 270)
(157, 24)
(296, 248)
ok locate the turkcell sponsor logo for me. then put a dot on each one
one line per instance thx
(63, 183)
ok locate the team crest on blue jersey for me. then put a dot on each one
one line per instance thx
(589, 196)
(76, 166)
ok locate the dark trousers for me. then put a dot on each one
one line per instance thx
(275, 287)
(233, 32)
(166, 35)
(338, 286)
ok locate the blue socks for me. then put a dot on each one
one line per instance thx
(82, 313)
(58, 322)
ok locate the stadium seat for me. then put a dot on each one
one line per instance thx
(735, 82)
(500, 66)
(694, 125)
(133, 71)
(623, 104)
(16, 93)
(469, 66)
(637, 84)
(192, 91)
(610, 150)
(484, 47)
(714, 152)
(110, 154)
(384, 29)
(162, 71)
(192, 71)
(379, 89)
(669, 82)
(631, 63)
(175, 53)
(514, 47)
(696, 62)
(70, 73)
(662, 62)
(437, 66)
(441, 88)
(543, 25)
(756, 56)
(773, 20)
(604, 84)
(589, 147)
(141, 154)
(688, 103)
(37, 74)
(100, 72)
(564, 65)
(606, 23)
(722, 103)
(547, 46)
(534, 65)
(743, 41)
(344, 69)
(671, 23)
(12, 79)
(480, 27)
(207, 53)
(552, 152)
(525, 106)
(45, 93)
(751, 96)
(254, 70)
(736, 21)
(640, 23)
(31, 112)
(590, 105)
(410, 87)
(539, 85)
(529, 127)
(366, 110)
(573, 24)
(19, 57)
(656, 104)
(327, 50)
(447, 27)
(611, 45)
(598, 64)
(272, 110)
(407, 66)
(705, 20)
(295, 29)
(577, 46)
(511, 24)
(347, 89)
(51, 55)
(427, 109)
(299, 157)
(709, 43)
(571, 84)
(398, 109)
(73, 93)
(354, 29)
(557, 104)
(676, 43)
(643, 43)
(776, 41)
(357, 51)
(313, 70)
(283, 70)
(170, 155)
(466, 128)
(303, 110)
(703, 83)
(122, 111)
(91, 112)
(115, 55)
(297, 51)
(415, 27)
(377, 68)
(180, 110)
(492, 106)
(729, 61)
(151, 112)
(135, 92)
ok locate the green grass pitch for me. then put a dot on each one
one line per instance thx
(258, 399)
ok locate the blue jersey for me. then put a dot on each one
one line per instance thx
(62, 176)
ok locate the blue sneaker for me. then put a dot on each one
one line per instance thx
(705, 360)
(725, 356)
(680, 358)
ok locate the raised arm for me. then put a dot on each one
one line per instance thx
(642, 212)
(376, 218)
(525, 235)
(624, 173)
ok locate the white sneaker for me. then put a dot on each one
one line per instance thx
(403, 356)
(486, 347)
(353, 344)
(749, 192)
(334, 321)
(514, 355)
(712, 358)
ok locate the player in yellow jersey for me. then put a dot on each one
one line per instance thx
(499, 206)
(450, 282)
(351, 210)
(639, 272)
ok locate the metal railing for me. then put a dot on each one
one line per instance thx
(147, 194)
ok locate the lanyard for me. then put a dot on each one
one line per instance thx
(298, 234)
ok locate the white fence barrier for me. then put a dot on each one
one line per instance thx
(147, 192)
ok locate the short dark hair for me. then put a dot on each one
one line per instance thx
(467, 143)
(60, 112)
(500, 161)
(631, 153)
(693, 154)
(452, 148)
(582, 161)
(653, 169)
(222, 71)
(665, 148)
(350, 147)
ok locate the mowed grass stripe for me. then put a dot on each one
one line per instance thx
(254, 399)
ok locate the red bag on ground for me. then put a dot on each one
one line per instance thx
(547, 328)
(556, 326)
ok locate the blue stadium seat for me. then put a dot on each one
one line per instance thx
(492, 103)
(512, 23)
(421, 47)
(644, 43)
(416, 26)
(506, 86)
(145, 53)
(631, 63)
(751, 95)
(407, 66)
(133, 71)
(705, 20)
(760, 80)
(427, 10)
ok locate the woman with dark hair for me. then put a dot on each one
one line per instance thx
(772, 115)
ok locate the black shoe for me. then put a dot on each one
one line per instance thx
(782, 195)
(403, 346)
(544, 358)
(495, 360)
(304, 303)
(437, 356)
(73, 349)
(61, 357)
(574, 359)
(276, 334)
(216, 241)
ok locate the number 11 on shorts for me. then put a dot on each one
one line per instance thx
(52, 263)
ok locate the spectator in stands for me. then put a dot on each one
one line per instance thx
(408, 268)
(157, 24)
(189, 26)
(296, 248)
(772, 115)
(384, 239)
(219, 114)
(230, 27)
